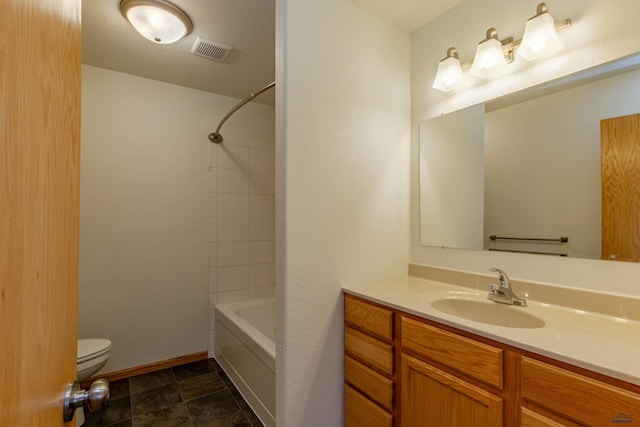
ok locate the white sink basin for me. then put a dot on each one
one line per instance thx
(489, 312)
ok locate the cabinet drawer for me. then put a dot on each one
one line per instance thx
(371, 351)
(372, 319)
(531, 418)
(578, 397)
(477, 360)
(360, 411)
(370, 383)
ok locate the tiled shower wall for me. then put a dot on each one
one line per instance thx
(241, 185)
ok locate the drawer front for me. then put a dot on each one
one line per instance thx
(370, 383)
(360, 411)
(370, 351)
(531, 418)
(375, 320)
(477, 360)
(580, 398)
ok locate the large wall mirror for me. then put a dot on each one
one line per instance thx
(525, 173)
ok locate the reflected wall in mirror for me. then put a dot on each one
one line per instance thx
(452, 180)
(540, 156)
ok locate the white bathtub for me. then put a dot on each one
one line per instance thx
(245, 348)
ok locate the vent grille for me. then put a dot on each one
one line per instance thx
(211, 50)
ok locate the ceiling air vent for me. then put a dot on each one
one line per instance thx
(209, 49)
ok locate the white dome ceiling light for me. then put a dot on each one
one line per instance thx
(157, 20)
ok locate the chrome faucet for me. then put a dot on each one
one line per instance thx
(502, 292)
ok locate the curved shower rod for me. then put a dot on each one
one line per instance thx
(215, 136)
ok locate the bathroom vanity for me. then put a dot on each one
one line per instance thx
(410, 364)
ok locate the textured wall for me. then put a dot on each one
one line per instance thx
(342, 184)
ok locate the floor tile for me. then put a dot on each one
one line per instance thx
(118, 389)
(217, 410)
(193, 369)
(248, 412)
(115, 411)
(253, 419)
(141, 383)
(215, 365)
(155, 399)
(195, 394)
(173, 416)
(201, 385)
(225, 378)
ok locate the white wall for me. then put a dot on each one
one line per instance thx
(542, 161)
(342, 187)
(452, 189)
(603, 30)
(148, 177)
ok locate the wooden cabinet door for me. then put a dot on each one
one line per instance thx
(620, 169)
(39, 207)
(431, 397)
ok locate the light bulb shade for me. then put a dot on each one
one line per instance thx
(540, 38)
(156, 20)
(449, 74)
(489, 59)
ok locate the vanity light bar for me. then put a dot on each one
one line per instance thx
(539, 39)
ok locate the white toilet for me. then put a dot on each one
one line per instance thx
(93, 353)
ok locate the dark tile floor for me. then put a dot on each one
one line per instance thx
(195, 394)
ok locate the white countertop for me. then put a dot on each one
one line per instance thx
(601, 343)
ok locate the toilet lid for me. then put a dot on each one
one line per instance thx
(91, 348)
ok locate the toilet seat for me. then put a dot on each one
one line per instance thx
(92, 348)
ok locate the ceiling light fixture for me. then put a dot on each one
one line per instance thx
(540, 37)
(449, 75)
(157, 20)
(492, 54)
(490, 59)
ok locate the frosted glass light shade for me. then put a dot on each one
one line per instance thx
(489, 59)
(540, 38)
(449, 75)
(157, 21)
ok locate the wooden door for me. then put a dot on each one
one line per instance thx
(620, 169)
(39, 180)
(431, 397)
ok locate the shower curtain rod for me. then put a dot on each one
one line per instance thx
(215, 136)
